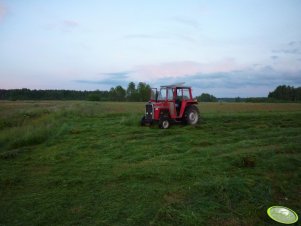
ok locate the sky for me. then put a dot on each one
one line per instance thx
(228, 48)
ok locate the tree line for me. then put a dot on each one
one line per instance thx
(282, 93)
(141, 92)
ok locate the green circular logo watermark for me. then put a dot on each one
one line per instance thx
(282, 214)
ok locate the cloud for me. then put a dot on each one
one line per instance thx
(293, 47)
(3, 11)
(143, 36)
(119, 74)
(70, 23)
(182, 69)
(274, 57)
(187, 22)
(182, 37)
(290, 51)
(67, 25)
(223, 78)
(111, 79)
(245, 83)
(109, 82)
(294, 43)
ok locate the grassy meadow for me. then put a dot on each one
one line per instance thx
(91, 163)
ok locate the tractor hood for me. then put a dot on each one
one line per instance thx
(159, 104)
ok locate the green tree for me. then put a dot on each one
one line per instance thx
(237, 99)
(94, 97)
(131, 92)
(206, 97)
(298, 94)
(120, 93)
(143, 91)
(117, 94)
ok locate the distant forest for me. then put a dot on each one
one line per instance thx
(139, 92)
(282, 93)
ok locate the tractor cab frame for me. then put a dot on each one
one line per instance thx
(171, 104)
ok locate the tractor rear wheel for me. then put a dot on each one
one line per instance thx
(164, 123)
(192, 115)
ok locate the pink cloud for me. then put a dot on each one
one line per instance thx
(184, 68)
(64, 26)
(70, 23)
(3, 11)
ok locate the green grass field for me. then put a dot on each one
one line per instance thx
(90, 163)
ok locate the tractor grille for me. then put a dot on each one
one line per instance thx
(149, 111)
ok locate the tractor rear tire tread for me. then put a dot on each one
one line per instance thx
(192, 115)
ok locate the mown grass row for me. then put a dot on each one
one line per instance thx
(34, 123)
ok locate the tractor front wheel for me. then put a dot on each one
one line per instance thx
(142, 122)
(192, 115)
(164, 123)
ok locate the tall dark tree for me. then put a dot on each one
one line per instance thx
(120, 93)
(112, 94)
(143, 91)
(131, 92)
(298, 93)
(237, 99)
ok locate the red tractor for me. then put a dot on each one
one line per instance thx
(172, 104)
